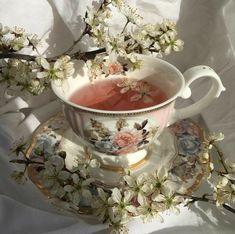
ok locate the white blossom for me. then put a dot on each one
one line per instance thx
(18, 31)
(100, 205)
(79, 189)
(62, 69)
(3, 30)
(121, 207)
(84, 163)
(18, 43)
(158, 181)
(34, 40)
(137, 185)
(116, 44)
(53, 176)
(131, 14)
(169, 199)
(149, 210)
(116, 3)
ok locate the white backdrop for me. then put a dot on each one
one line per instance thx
(206, 26)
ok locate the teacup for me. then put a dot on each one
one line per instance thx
(98, 128)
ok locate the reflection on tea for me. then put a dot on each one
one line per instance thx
(118, 95)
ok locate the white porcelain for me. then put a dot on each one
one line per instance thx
(153, 119)
(162, 153)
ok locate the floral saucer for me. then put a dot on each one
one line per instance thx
(178, 149)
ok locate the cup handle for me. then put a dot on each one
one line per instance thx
(191, 75)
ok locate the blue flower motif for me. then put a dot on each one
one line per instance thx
(189, 145)
(46, 143)
(106, 146)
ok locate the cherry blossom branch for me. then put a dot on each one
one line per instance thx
(78, 55)
(85, 31)
(204, 198)
(221, 155)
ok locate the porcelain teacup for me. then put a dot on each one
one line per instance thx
(99, 129)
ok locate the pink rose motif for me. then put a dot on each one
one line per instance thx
(127, 141)
(123, 139)
(115, 68)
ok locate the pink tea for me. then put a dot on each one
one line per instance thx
(118, 95)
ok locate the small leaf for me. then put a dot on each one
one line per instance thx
(144, 123)
(137, 126)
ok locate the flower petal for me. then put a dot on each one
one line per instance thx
(44, 63)
(159, 198)
(162, 174)
(128, 195)
(43, 74)
(131, 209)
(116, 195)
(102, 194)
(130, 180)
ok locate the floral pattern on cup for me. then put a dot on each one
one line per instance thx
(123, 140)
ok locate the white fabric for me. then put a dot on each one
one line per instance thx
(206, 26)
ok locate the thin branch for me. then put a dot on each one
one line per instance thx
(78, 55)
(17, 56)
(26, 162)
(85, 31)
(127, 22)
(205, 199)
(222, 160)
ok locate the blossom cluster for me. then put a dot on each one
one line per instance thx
(34, 73)
(71, 186)
(15, 39)
(146, 195)
(31, 75)
(136, 37)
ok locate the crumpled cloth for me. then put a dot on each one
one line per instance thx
(207, 28)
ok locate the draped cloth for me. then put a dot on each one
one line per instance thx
(206, 26)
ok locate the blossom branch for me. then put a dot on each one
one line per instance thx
(78, 55)
(26, 162)
(85, 31)
(222, 160)
(204, 198)
(124, 28)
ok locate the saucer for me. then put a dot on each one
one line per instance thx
(178, 149)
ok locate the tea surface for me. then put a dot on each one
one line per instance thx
(118, 95)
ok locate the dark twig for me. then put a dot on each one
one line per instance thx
(85, 31)
(222, 160)
(206, 199)
(26, 162)
(78, 55)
